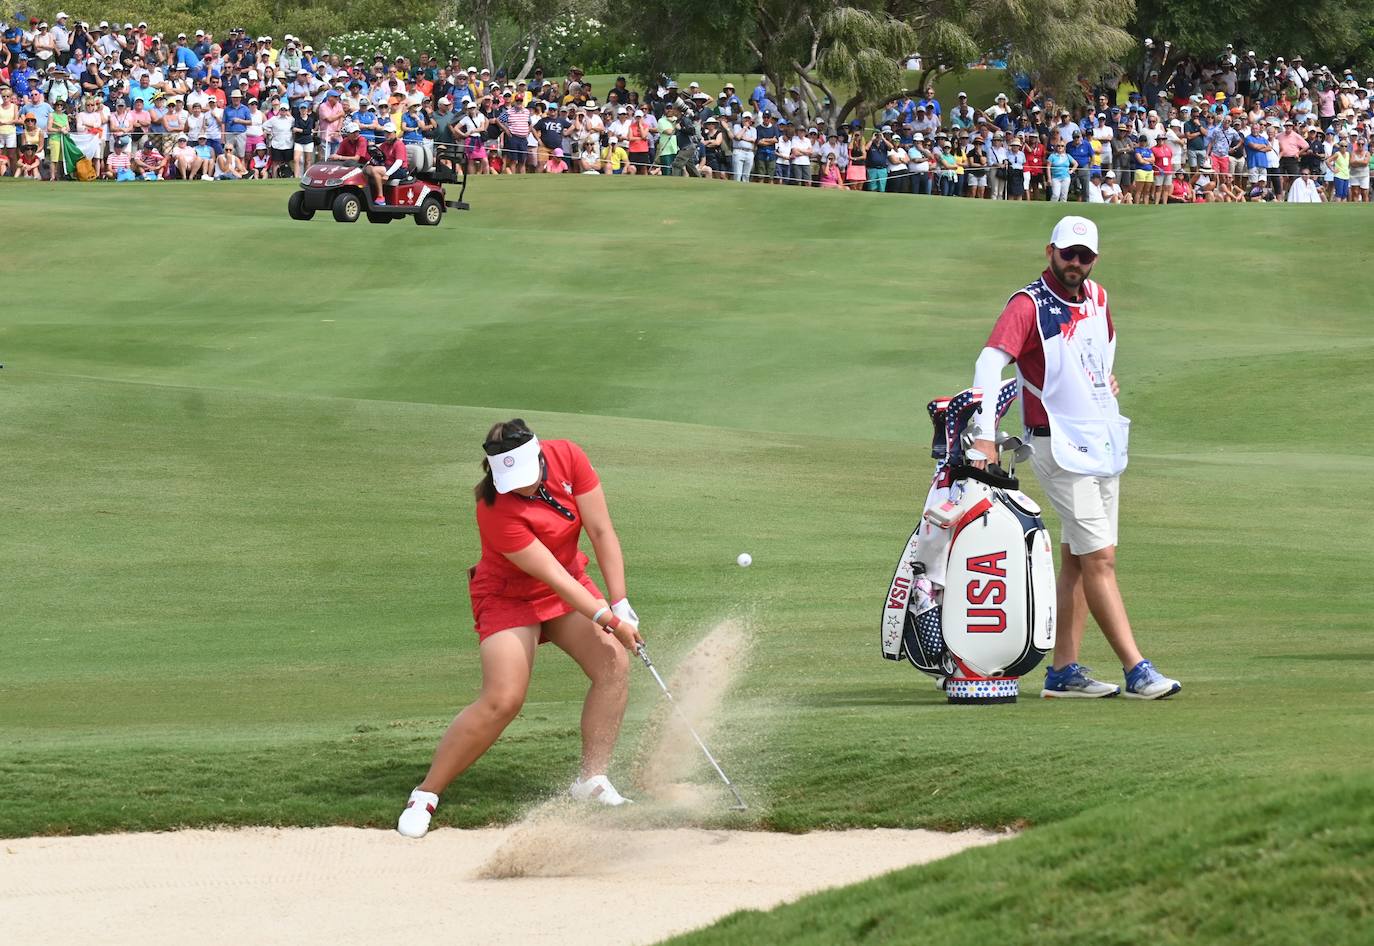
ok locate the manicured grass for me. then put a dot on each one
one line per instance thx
(1262, 863)
(238, 453)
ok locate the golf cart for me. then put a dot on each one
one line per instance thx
(343, 188)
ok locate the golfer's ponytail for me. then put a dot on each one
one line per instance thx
(485, 490)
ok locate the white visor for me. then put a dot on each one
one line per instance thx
(516, 468)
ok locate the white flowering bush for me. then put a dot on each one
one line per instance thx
(569, 40)
(440, 40)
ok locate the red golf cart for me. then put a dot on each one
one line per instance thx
(342, 188)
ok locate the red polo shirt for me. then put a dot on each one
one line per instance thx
(504, 596)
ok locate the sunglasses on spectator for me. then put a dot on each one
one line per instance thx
(1080, 254)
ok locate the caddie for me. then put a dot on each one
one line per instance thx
(1059, 332)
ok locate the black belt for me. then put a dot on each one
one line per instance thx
(1042, 431)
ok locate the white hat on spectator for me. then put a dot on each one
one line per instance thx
(60, 16)
(639, 113)
(179, 35)
(620, 110)
(308, 49)
(1154, 114)
(252, 73)
(963, 95)
(104, 24)
(694, 85)
(200, 32)
(236, 94)
(350, 127)
(918, 137)
(613, 140)
(182, 138)
(1111, 174)
(742, 116)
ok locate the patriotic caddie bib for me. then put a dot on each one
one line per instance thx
(1087, 432)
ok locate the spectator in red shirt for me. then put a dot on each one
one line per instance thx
(392, 165)
(530, 586)
(1035, 165)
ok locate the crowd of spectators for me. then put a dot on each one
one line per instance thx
(137, 105)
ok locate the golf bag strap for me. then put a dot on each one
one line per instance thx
(993, 476)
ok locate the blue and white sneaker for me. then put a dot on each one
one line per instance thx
(1144, 682)
(1073, 682)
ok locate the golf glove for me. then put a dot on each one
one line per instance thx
(622, 610)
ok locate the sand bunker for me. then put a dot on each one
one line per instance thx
(566, 874)
(348, 885)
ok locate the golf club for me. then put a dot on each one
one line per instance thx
(644, 656)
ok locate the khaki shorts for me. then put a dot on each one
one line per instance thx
(1086, 504)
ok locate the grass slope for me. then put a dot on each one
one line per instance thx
(1264, 863)
(238, 451)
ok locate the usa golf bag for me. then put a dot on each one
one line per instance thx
(972, 600)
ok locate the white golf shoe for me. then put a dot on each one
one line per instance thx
(597, 789)
(414, 820)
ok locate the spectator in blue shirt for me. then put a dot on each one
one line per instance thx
(236, 118)
(143, 91)
(906, 108)
(185, 56)
(23, 78)
(366, 117)
(38, 108)
(931, 102)
(1081, 150)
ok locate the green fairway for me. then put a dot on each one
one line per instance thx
(238, 454)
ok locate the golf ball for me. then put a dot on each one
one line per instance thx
(744, 560)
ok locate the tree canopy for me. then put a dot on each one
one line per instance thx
(847, 55)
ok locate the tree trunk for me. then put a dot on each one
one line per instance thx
(481, 13)
(848, 109)
(529, 58)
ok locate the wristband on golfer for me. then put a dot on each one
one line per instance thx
(596, 618)
(611, 625)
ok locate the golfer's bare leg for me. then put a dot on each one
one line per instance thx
(607, 664)
(507, 658)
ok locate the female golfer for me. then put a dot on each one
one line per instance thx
(531, 586)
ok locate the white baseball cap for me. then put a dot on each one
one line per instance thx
(513, 467)
(1074, 231)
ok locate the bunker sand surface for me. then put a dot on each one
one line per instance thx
(351, 885)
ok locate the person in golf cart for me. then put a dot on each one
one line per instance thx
(533, 502)
(381, 162)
